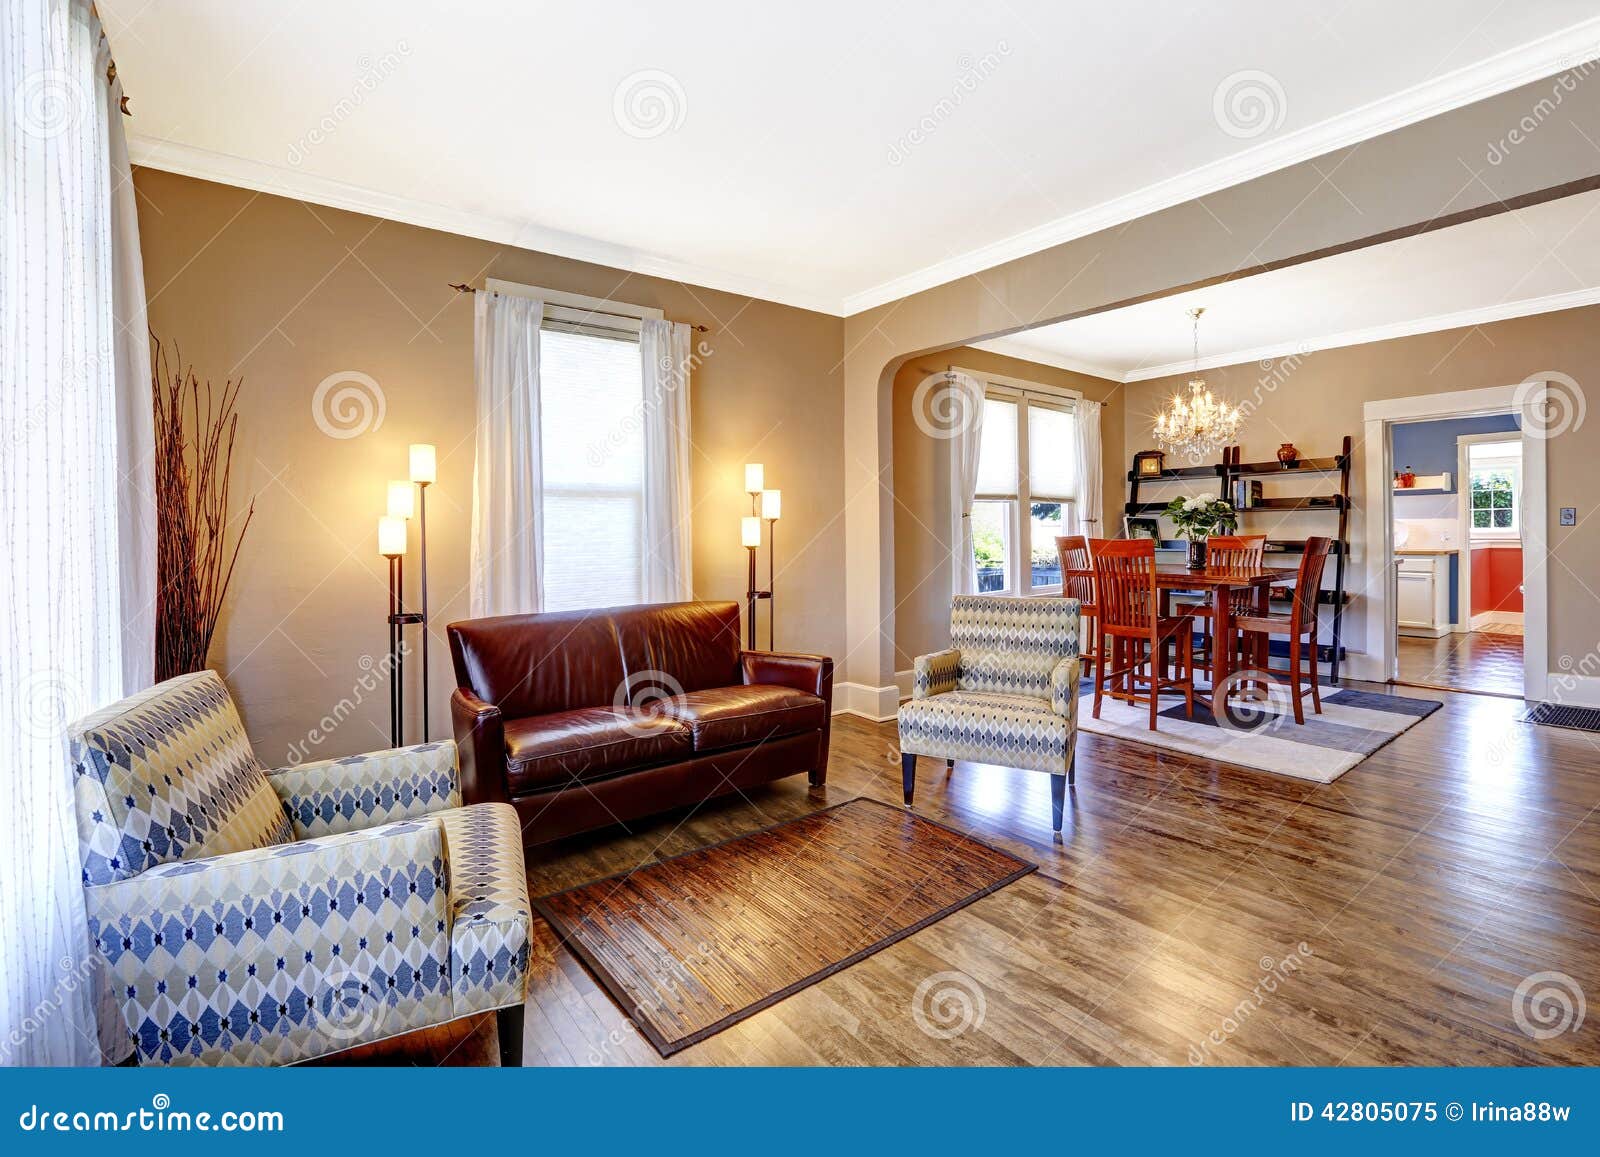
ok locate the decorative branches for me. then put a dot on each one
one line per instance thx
(194, 464)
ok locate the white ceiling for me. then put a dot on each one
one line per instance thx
(785, 165)
(1530, 261)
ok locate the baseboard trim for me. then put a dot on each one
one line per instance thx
(1494, 619)
(878, 704)
(1572, 690)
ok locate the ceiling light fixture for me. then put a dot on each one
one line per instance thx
(1197, 425)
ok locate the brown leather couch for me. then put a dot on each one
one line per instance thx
(586, 718)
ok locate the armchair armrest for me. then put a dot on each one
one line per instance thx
(481, 737)
(360, 791)
(936, 673)
(283, 952)
(1064, 679)
(813, 673)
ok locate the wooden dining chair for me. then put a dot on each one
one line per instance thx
(1077, 582)
(1300, 625)
(1133, 633)
(1229, 552)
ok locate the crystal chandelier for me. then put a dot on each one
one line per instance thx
(1197, 425)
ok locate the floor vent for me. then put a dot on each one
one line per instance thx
(1555, 715)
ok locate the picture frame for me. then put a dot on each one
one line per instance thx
(1141, 528)
(1149, 463)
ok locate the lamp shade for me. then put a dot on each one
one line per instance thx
(750, 531)
(772, 504)
(754, 477)
(402, 498)
(391, 536)
(423, 467)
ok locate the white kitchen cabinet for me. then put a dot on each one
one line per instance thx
(1422, 601)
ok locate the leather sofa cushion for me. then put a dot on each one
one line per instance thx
(558, 749)
(695, 645)
(539, 664)
(734, 716)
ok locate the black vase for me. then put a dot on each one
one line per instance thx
(1197, 554)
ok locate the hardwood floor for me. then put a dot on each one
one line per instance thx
(1188, 913)
(1482, 661)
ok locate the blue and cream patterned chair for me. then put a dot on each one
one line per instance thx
(255, 917)
(1005, 692)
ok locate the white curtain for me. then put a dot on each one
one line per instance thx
(507, 568)
(69, 421)
(664, 353)
(136, 494)
(1088, 511)
(966, 440)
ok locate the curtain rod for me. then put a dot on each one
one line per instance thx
(463, 287)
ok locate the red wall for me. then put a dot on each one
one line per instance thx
(1496, 577)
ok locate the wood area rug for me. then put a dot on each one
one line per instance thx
(690, 945)
(1264, 736)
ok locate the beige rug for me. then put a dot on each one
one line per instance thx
(1501, 629)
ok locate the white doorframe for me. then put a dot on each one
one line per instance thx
(1464, 444)
(1378, 543)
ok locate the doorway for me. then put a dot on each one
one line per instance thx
(1457, 549)
(1456, 519)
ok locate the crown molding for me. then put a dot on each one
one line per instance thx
(1484, 315)
(1012, 348)
(224, 168)
(1523, 65)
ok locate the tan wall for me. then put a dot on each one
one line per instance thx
(922, 545)
(1313, 400)
(287, 293)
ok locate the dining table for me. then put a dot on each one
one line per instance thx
(1219, 583)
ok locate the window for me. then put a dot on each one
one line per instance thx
(591, 399)
(1495, 489)
(1027, 480)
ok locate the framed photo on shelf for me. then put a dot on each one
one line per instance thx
(1141, 528)
(1149, 463)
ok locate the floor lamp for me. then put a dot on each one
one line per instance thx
(424, 470)
(392, 545)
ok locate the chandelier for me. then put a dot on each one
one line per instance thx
(1197, 425)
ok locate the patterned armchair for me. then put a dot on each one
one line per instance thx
(255, 917)
(1006, 692)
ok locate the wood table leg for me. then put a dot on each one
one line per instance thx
(1221, 649)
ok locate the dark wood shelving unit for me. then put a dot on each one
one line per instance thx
(1231, 470)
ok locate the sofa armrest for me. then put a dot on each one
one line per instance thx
(361, 791)
(1064, 680)
(936, 673)
(481, 737)
(350, 933)
(813, 673)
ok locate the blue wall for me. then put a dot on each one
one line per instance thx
(1430, 447)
